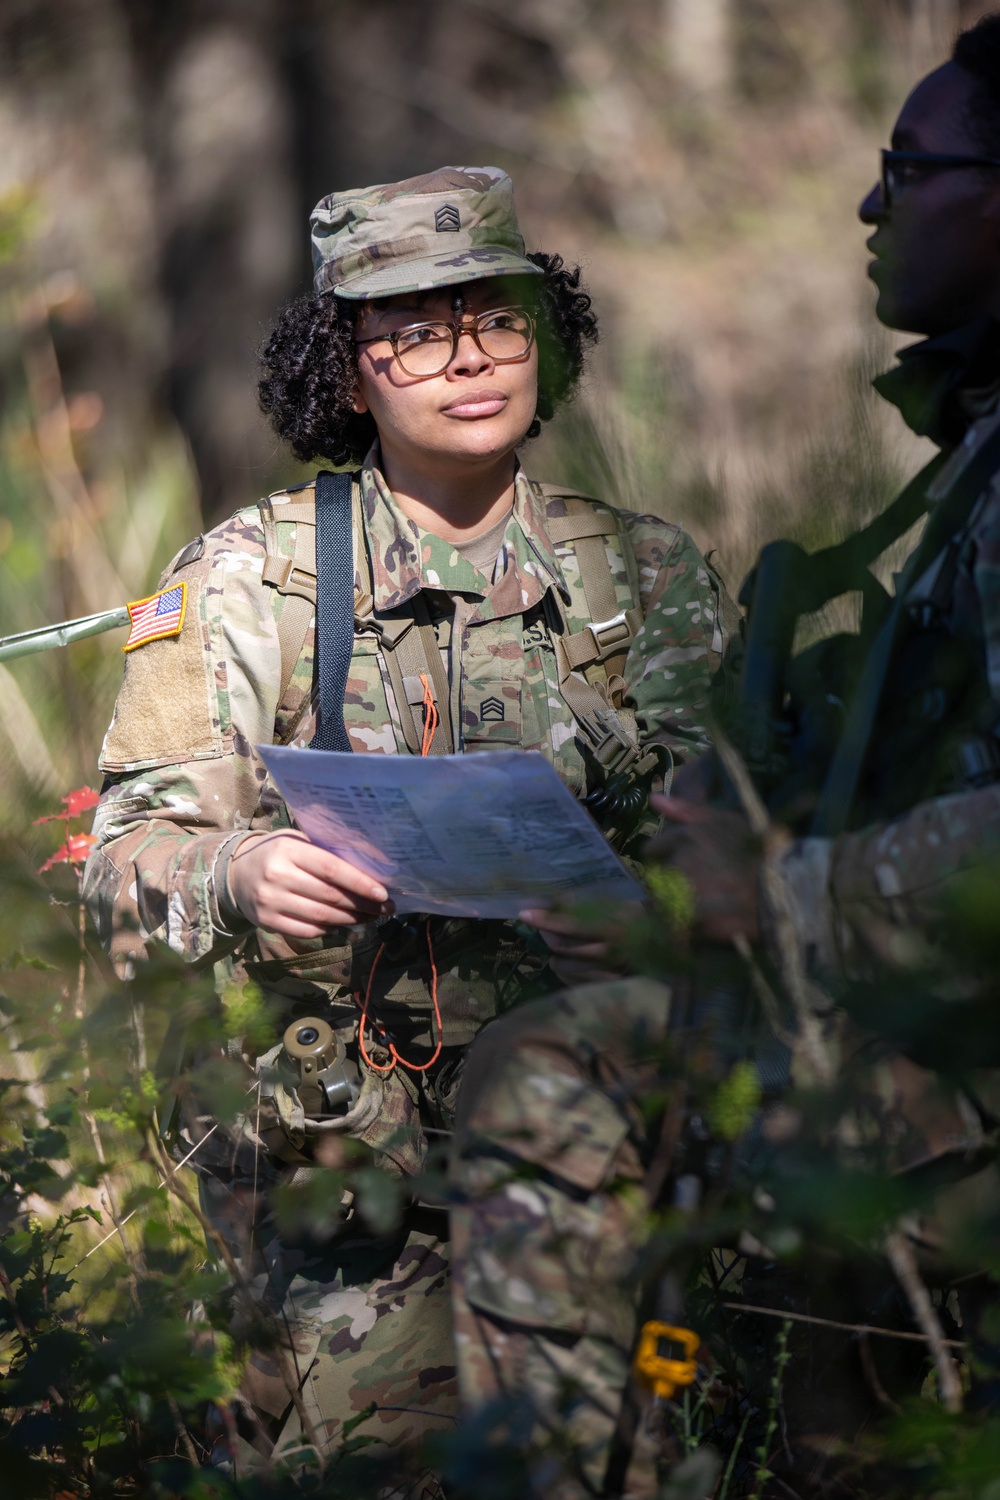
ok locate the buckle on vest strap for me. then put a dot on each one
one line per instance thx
(599, 640)
(610, 743)
(610, 633)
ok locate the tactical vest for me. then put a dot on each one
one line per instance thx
(485, 966)
(935, 732)
(590, 652)
(863, 727)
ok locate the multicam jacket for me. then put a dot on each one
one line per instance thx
(185, 786)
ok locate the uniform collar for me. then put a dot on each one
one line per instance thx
(942, 385)
(405, 559)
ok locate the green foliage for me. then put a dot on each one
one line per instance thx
(18, 218)
(246, 1014)
(91, 512)
(736, 1102)
(114, 1344)
(774, 1396)
(119, 1355)
(673, 895)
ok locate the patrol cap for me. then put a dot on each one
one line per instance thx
(452, 225)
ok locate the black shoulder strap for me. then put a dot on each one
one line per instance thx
(948, 517)
(787, 583)
(334, 606)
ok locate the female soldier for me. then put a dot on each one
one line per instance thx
(489, 612)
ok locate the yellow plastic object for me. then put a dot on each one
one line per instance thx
(660, 1374)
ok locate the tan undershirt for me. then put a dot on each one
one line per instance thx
(483, 551)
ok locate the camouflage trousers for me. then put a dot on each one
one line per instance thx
(549, 1169)
(361, 1321)
(554, 1173)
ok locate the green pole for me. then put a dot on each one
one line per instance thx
(51, 636)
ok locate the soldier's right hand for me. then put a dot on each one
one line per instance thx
(282, 882)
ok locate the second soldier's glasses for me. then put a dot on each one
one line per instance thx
(899, 168)
(504, 334)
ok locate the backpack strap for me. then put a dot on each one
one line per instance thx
(591, 660)
(412, 657)
(408, 644)
(294, 577)
(334, 606)
(604, 642)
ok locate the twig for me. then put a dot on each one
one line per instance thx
(671, 1126)
(723, 1487)
(79, 1012)
(137, 1010)
(901, 1257)
(872, 1375)
(765, 994)
(866, 1328)
(94, 573)
(159, 1188)
(180, 1427)
(173, 1185)
(809, 1041)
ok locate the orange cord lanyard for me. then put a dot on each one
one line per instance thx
(431, 721)
(396, 1057)
(431, 716)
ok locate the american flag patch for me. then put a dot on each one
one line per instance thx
(157, 617)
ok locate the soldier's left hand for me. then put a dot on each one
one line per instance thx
(717, 852)
(581, 954)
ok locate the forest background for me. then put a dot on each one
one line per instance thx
(701, 159)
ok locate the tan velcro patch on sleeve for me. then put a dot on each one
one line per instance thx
(168, 708)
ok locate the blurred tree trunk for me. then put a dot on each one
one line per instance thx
(178, 147)
(698, 41)
(933, 24)
(219, 133)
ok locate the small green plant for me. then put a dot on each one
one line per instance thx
(782, 1357)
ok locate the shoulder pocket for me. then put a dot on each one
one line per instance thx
(167, 710)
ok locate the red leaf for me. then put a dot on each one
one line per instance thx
(73, 852)
(75, 804)
(80, 801)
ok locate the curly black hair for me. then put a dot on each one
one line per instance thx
(977, 50)
(311, 369)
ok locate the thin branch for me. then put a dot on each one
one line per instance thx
(670, 1133)
(872, 1375)
(865, 1328)
(159, 1187)
(95, 576)
(768, 999)
(216, 1238)
(180, 1427)
(79, 1013)
(25, 737)
(901, 1257)
(809, 1042)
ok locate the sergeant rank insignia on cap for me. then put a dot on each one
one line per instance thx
(157, 617)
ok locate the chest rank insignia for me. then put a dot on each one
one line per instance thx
(491, 711)
(446, 219)
(156, 618)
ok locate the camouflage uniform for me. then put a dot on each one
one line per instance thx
(452, 225)
(185, 787)
(548, 1238)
